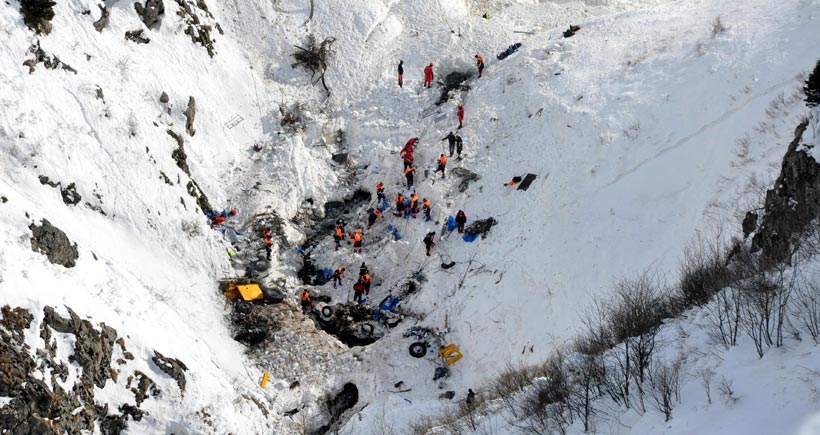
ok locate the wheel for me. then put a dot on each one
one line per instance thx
(418, 349)
(243, 307)
(327, 311)
(273, 296)
(367, 329)
(392, 322)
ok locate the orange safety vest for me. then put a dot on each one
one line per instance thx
(479, 60)
(305, 296)
(340, 271)
(377, 212)
(365, 278)
(339, 232)
(379, 186)
(399, 199)
(414, 199)
(426, 203)
(442, 160)
(357, 236)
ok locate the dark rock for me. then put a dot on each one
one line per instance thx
(790, 205)
(136, 36)
(163, 98)
(99, 94)
(179, 155)
(201, 199)
(172, 367)
(3, 200)
(47, 182)
(57, 322)
(103, 21)
(70, 195)
(113, 425)
(145, 387)
(151, 12)
(339, 158)
(51, 241)
(49, 61)
(190, 114)
(749, 223)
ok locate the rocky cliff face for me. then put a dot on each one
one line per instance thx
(791, 205)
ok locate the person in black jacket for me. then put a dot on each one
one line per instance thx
(401, 73)
(461, 219)
(451, 141)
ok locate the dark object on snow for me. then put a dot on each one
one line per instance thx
(252, 336)
(418, 349)
(314, 58)
(346, 399)
(136, 36)
(525, 183)
(172, 367)
(571, 31)
(291, 413)
(453, 82)
(190, 114)
(37, 15)
(812, 87)
(448, 265)
(441, 372)
(480, 227)
(398, 384)
(466, 176)
(100, 24)
(339, 158)
(470, 396)
(150, 12)
(54, 244)
(510, 50)
(448, 395)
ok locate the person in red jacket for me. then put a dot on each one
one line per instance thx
(460, 114)
(406, 153)
(428, 75)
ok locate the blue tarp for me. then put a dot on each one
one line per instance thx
(470, 237)
(384, 205)
(327, 272)
(451, 223)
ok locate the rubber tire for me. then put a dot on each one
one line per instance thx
(367, 329)
(418, 349)
(327, 312)
(243, 307)
(393, 323)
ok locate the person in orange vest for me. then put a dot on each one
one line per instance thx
(442, 165)
(358, 291)
(304, 301)
(479, 63)
(428, 241)
(339, 235)
(337, 276)
(461, 219)
(374, 214)
(414, 204)
(380, 191)
(356, 237)
(401, 73)
(428, 75)
(425, 207)
(268, 242)
(408, 175)
(400, 205)
(366, 280)
(460, 114)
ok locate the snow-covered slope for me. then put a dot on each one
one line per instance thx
(643, 129)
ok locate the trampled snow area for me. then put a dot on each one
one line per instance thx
(644, 130)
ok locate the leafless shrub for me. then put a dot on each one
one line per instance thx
(718, 27)
(124, 65)
(587, 374)
(292, 119)
(777, 107)
(633, 131)
(664, 385)
(806, 308)
(724, 315)
(705, 376)
(545, 408)
(726, 389)
(703, 271)
(510, 382)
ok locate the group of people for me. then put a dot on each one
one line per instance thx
(428, 71)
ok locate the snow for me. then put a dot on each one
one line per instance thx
(643, 129)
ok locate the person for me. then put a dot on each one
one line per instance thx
(428, 75)
(408, 174)
(459, 146)
(363, 269)
(358, 291)
(479, 63)
(451, 141)
(356, 238)
(428, 241)
(425, 207)
(337, 276)
(374, 214)
(411, 143)
(460, 114)
(366, 280)
(268, 242)
(380, 191)
(399, 205)
(442, 164)
(470, 396)
(414, 204)
(461, 219)
(401, 73)
(407, 157)
(304, 301)
(515, 180)
(339, 235)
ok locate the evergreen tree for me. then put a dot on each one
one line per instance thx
(37, 14)
(812, 88)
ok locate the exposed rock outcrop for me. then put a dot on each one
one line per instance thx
(54, 244)
(151, 12)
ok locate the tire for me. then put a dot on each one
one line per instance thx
(393, 322)
(327, 311)
(418, 349)
(273, 296)
(367, 329)
(243, 307)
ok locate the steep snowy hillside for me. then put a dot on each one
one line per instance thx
(645, 128)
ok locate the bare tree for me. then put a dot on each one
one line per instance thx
(705, 376)
(587, 376)
(664, 383)
(724, 316)
(806, 308)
